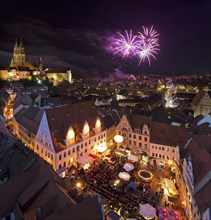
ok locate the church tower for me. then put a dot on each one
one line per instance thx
(18, 54)
(69, 75)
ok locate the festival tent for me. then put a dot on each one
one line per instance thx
(132, 185)
(125, 176)
(84, 159)
(132, 157)
(147, 211)
(128, 167)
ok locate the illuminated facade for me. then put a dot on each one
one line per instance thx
(135, 132)
(81, 133)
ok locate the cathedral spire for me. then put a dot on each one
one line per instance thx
(16, 43)
(21, 44)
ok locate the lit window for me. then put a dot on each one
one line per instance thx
(86, 130)
(70, 138)
(98, 126)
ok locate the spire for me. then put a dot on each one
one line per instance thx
(16, 43)
(21, 44)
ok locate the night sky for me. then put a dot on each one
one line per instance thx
(74, 33)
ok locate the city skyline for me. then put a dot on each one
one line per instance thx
(75, 34)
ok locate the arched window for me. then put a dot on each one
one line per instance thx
(86, 130)
(70, 138)
(98, 125)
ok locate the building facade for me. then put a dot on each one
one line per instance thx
(77, 132)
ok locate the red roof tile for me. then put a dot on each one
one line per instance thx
(198, 97)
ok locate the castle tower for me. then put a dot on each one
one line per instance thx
(69, 75)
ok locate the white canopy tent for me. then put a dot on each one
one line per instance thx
(147, 211)
(132, 157)
(125, 176)
(84, 159)
(128, 167)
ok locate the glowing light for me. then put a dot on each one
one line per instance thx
(118, 138)
(98, 123)
(145, 175)
(78, 185)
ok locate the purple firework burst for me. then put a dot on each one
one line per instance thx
(125, 45)
(144, 45)
(148, 44)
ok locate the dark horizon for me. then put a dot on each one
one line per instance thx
(74, 33)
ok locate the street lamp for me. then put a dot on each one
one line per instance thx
(118, 139)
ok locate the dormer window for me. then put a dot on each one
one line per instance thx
(145, 130)
(98, 126)
(70, 139)
(86, 130)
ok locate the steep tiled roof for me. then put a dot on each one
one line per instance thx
(200, 158)
(31, 185)
(22, 99)
(198, 97)
(203, 197)
(29, 118)
(138, 121)
(168, 134)
(75, 115)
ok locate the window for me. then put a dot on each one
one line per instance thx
(145, 139)
(167, 149)
(99, 137)
(78, 148)
(134, 143)
(82, 145)
(73, 150)
(152, 146)
(48, 155)
(163, 148)
(60, 156)
(134, 136)
(160, 155)
(89, 141)
(173, 151)
(153, 154)
(70, 138)
(98, 126)
(129, 141)
(156, 155)
(64, 154)
(46, 152)
(156, 147)
(159, 148)
(37, 147)
(140, 144)
(85, 150)
(51, 156)
(64, 164)
(42, 150)
(163, 156)
(68, 152)
(60, 166)
(129, 135)
(140, 138)
(86, 130)
(145, 145)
